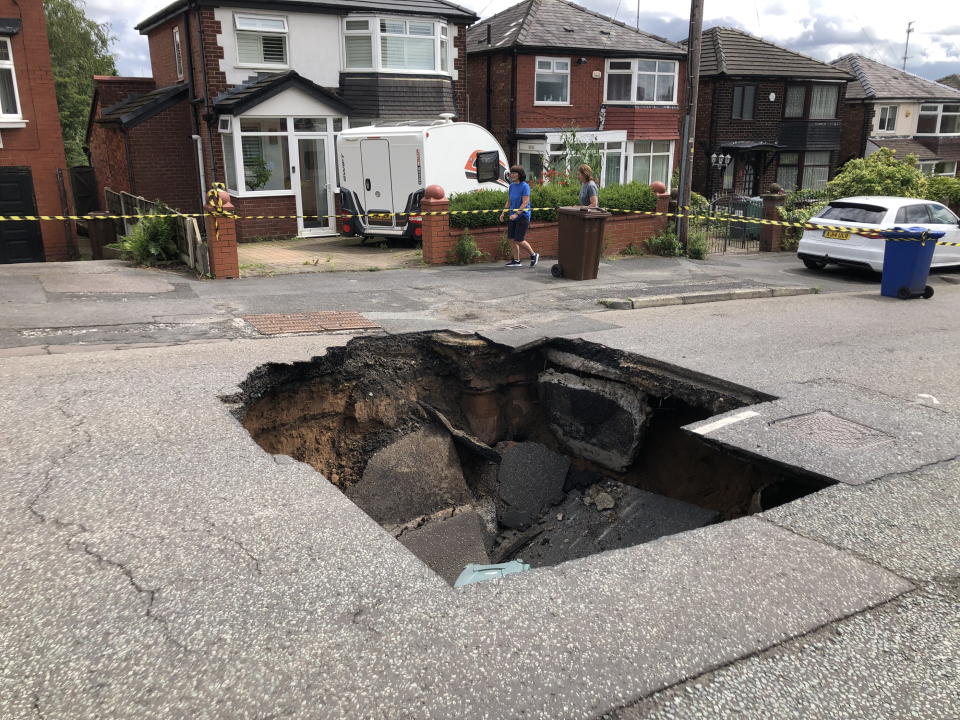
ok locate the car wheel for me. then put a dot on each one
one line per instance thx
(927, 292)
(815, 264)
(904, 293)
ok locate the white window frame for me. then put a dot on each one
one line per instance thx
(553, 71)
(234, 137)
(285, 33)
(443, 34)
(9, 65)
(634, 72)
(631, 155)
(177, 53)
(929, 168)
(940, 113)
(881, 120)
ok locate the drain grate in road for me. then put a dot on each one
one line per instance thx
(279, 324)
(830, 429)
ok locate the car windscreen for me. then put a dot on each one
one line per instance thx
(854, 212)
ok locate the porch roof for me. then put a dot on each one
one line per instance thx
(139, 108)
(749, 145)
(265, 85)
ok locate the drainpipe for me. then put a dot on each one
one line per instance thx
(513, 105)
(198, 141)
(206, 87)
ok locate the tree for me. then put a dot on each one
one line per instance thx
(882, 173)
(80, 49)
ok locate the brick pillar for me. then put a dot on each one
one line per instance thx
(222, 241)
(436, 229)
(664, 204)
(771, 236)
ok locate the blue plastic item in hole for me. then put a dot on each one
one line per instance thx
(474, 573)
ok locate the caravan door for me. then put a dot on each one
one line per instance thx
(377, 180)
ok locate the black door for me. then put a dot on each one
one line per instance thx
(19, 240)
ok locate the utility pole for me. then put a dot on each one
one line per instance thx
(690, 119)
(907, 44)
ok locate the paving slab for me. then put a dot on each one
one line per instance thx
(520, 334)
(69, 282)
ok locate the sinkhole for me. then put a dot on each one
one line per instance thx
(467, 451)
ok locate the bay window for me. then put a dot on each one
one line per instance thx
(652, 160)
(261, 40)
(9, 99)
(552, 81)
(642, 81)
(939, 120)
(395, 45)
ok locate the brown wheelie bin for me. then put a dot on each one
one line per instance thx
(580, 242)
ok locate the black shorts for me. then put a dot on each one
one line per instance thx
(517, 229)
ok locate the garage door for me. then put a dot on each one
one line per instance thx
(19, 240)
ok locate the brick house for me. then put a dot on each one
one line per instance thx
(951, 81)
(543, 67)
(33, 166)
(254, 94)
(907, 113)
(765, 114)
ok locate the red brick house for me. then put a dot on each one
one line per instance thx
(545, 66)
(33, 166)
(765, 114)
(254, 94)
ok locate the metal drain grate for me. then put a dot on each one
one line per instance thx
(825, 428)
(309, 322)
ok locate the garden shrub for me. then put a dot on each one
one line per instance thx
(152, 240)
(665, 244)
(882, 173)
(944, 190)
(632, 196)
(698, 245)
(466, 251)
(492, 200)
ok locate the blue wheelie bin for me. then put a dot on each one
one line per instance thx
(906, 262)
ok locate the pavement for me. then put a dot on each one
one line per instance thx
(158, 563)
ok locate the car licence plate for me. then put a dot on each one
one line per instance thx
(836, 234)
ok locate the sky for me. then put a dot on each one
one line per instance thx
(823, 30)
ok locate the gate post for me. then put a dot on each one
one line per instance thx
(436, 228)
(222, 238)
(771, 236)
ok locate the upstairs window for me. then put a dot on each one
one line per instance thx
(744, 98)
(823, 102)
(552, 81)
(939, 120)
(642, 81)
(796, 99)
(395, 44)
(261, 40)
(177, 57)
(887, 118)
(9, 100)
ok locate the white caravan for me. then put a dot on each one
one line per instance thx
(384, 170)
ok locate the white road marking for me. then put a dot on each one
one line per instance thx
(726, 421)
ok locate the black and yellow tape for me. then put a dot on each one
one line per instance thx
(220, 212)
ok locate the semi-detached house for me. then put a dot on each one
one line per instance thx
(543, 68)
(254, 94)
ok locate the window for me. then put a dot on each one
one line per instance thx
(395, 44)
(9, 100)
(407, 45)
(854, 212)
(913, 214)
(787, 170)
(613, 164)
(941, 215)
(261, 40)
(652, 161)
(642, 81)
(887, 118)
(796, 98)
(744, 97)
(532, 163)
(947, 169)
(177, 57)
(939, 120)
(823, 102)
(552, 81)
(816, 170)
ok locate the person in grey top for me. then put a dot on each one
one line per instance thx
(589, 196)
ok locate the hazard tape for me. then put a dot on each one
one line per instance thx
(435, 213)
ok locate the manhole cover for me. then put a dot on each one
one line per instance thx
(279, 324)
(826, 428)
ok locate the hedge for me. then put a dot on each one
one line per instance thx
(632, 196)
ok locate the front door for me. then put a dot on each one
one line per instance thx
(314, 193)
(19, 240)
(377, 180)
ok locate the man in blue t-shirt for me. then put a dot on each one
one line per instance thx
(518, 205)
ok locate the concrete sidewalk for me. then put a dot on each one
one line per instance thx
(158, 563)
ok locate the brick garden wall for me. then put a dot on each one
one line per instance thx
(39, 145)
(275, 229)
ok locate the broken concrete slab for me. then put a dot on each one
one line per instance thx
(418, 474)
(530, 479)
(460, 437)
(448, 544)
(596, 419)
(609, 516)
